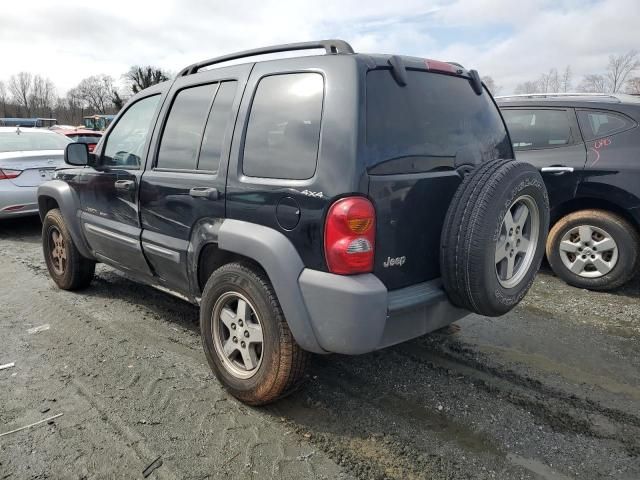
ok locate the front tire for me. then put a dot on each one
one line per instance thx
(593, 249)
(246, 338)
(68, 269)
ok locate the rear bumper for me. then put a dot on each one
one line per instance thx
(356, 314)
(17, 201)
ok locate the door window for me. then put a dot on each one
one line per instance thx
(537, 129)
(218, 124)
(183, 132)
(598, 124)
(284, 127)
(125, 144)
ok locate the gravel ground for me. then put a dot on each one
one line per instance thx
(549, 391)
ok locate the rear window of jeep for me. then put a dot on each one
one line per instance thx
(433, 115)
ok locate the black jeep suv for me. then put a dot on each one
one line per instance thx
(588, 148)
(331, 203)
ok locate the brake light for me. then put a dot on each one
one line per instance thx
(349, 236)
(7, 174)
(438, 66)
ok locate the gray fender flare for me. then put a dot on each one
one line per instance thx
(279, 258)
(69, 204)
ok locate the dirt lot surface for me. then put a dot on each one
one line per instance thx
(550, 391)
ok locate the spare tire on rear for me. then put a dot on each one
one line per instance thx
(493, 237)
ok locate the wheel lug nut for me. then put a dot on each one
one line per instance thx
(243, 344)
(246, 333)
(235, 339)
(233, 326)
(240, 322)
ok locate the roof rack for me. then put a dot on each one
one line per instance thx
(560, 95)
(332, 47)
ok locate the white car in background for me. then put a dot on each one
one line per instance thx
(28, 157)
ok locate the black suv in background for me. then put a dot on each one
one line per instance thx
(588, 149)
(330, 203)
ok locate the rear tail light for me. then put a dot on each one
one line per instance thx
(349, 236)
(8, 174)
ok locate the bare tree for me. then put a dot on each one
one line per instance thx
(527, 87)
(141, 77)
(3, 98)
(565, 81)
(594, 83)
(493, 87)
(633, 86)
(96, 92)
(20, 86)
(620, 67)
(43, 96)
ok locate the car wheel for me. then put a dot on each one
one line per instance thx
(593, 249)
(493, 237)
(246, 338)
(68, 269)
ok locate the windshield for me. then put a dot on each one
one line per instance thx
(26, 141)
(433, 115)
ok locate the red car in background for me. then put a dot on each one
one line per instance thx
(81, 135)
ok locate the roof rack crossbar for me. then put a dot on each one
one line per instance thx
(332, 47)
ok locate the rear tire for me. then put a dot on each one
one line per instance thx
(68, 269)
(594, 269)
(246, 338)
(493, 237)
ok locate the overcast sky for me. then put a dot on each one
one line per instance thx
(511, 40)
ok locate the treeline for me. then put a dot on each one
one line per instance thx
(29, 95)
(618, 77)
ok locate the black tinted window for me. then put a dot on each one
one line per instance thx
(433, 115)
(535, 129)
(595, 124)
(182, 134)
(217, 125)
(126, 141)
(284, 127)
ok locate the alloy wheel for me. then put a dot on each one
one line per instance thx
(517, 241)
(588, 251)
(237, 334)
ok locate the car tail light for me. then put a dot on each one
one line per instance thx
(438, 66)
(349, 236)
(7, 174)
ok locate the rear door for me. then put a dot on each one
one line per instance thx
(184, 184)
(549, 139)
(418, 138)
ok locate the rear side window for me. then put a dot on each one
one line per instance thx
(182, 134)
(433, 115)
(597, 124)
(284, 127)
(218, 125)
(538, 129)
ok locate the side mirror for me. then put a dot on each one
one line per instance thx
(76, 154)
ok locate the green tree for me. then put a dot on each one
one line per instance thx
(141, 77)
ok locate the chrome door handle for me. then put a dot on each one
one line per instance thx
(124, 184)
(205, 192)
